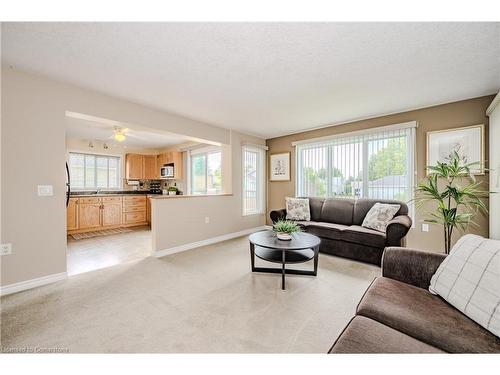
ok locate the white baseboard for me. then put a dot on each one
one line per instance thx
(208, 241)
(33, 283)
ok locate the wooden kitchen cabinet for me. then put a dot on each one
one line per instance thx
(134, 210)
(149, 167)
(171, 157)
(111, 211)
(89, 215)
(72, 214)
(148, 210)
(134, 166)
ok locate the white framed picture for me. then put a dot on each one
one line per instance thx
(468, 141)
(279, 167)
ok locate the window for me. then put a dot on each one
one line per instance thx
(376, 164)
(253, 180)
(90, 172)
(206, 171)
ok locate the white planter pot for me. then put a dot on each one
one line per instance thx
(172, 193)
(284, 236)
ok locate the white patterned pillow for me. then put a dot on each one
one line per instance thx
(469, 279)
(379, 216)
(297, 209)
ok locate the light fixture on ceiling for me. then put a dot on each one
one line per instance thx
(119, 135)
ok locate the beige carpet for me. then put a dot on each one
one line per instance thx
(203, 300)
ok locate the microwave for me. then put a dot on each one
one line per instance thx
(167, 171)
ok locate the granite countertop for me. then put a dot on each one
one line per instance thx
(166, 196)
(109, 193)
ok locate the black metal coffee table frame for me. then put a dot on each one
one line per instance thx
(302, 248)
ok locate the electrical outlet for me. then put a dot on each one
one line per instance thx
(425, 227)
(207, 219)
(45, 191)
(5, 249)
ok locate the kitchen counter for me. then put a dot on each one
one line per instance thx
(77, 194)
(160, 196)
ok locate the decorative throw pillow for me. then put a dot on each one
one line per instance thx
(469, 279)
(297, 209)
(379, 216)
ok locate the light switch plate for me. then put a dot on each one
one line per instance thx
(425, 227)
(5, 249)
(207, 219)
(45, 191)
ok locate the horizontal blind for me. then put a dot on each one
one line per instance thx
(371, 165)
(93, 171)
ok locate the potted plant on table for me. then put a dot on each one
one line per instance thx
(452, 186)
(285, 228)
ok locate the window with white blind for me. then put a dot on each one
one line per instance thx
(371, 164)
(253, 172)
(205, 171)
(90, 171)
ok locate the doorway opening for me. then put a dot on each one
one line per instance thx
(114, 170)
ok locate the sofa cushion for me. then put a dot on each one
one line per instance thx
(316, 205)
(297, 209)
(426, 317)
(469, 279)
(379, 216)
(338, 211)
(362, 235)
(364, 335)
(324, 230)
(363, 205)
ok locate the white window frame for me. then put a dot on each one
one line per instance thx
(96, 154)
(260, 187)
(411, 161)
(203, 151)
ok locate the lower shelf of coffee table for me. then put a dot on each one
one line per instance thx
(291, 256)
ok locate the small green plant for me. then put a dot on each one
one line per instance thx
(452, 186)
(286, 226)
(172, 188)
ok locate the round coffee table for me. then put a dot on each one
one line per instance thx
(301, 248)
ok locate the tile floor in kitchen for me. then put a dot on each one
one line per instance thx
(99, 252)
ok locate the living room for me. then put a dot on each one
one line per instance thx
(338, 189)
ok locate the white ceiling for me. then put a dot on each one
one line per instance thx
(135, 138)
(266, 78)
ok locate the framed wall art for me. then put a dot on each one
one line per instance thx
(279, 167)
(468, 141)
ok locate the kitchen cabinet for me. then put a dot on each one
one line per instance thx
(134, 166)
(171, 157)
(141, 167)
(72, 214)
(148, 210)
(89, 214)
(149, 167)
(111, 211)
(134, 210)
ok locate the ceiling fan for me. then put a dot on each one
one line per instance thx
(120, 134)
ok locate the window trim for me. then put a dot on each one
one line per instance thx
(120, 166)
(203, 151)
(260, 183)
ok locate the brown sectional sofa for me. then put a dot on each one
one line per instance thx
(398, 314)
(337, 221)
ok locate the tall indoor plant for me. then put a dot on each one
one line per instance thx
(453, 187)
